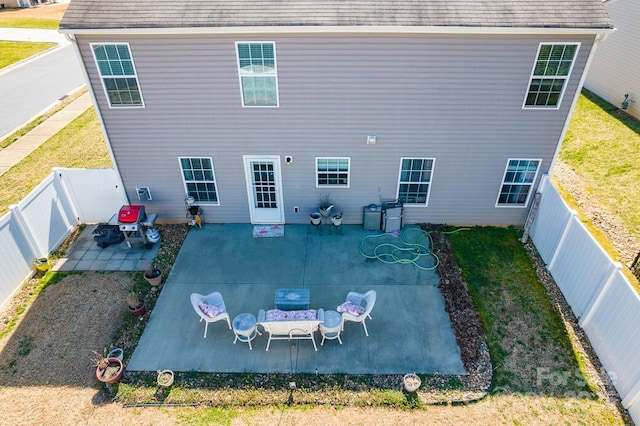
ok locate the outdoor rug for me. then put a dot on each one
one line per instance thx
(268, 231)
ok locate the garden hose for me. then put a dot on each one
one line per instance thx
(403, 251)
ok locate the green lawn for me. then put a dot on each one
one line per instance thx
(7, 20)
(80, 144)
(15, 51)
(603, 147)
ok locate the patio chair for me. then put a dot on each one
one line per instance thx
(358, 307)
(210, 308)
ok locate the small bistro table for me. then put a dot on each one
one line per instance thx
(245, 328)
(292, 299)
(331, 327)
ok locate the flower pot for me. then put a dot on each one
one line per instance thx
(154, 277)
(112, 373)
(325, 211)
(316, 218)
(41, 264)
(140, 309)
(336, 219)
(165, 378)
(411, 382)
(116, 353)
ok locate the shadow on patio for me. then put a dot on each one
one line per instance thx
(410, 330)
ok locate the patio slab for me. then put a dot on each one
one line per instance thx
(410, 330)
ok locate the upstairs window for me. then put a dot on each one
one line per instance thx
(118, 74)
(332, 172)
(517, 182)
(199, 179)
(415, 180)
(550, 74)
(258, 74)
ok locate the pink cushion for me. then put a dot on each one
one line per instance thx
(278, 315)
(351, 308)
(210, 310)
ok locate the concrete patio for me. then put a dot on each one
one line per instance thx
(410, 330)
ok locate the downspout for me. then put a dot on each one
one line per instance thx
(72, 39)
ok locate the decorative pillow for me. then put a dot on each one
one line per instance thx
(278, 315)
(351, 308)
(210, 310)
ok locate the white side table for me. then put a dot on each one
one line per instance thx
(331, 327)
(245, 329)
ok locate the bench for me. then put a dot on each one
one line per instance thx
(290, 325)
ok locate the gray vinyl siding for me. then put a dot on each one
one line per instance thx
(614, 70)
(454, 98)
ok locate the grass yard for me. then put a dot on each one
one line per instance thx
(15, 51)
(603, 147)
(80, 144)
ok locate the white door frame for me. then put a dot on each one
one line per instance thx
(264, 215)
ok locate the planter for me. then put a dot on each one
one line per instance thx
(112, 373)
(316, 218)
(41, 264)
(116, 353)
(325, 211)
(336, 219)
(153, 276)
(165, 378)
(140, 309)
(411, 382)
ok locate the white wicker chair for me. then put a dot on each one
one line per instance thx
(215, 300)
(367, 301)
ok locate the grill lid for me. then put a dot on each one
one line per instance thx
(131, 214)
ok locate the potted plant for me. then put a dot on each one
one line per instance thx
(153, 275)
(411, 382)
(316, 218)
(336, 219)
(136, 304)
(325, 205)
(108, 370)
(165, 378)
(41, 264)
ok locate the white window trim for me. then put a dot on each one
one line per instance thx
(275, 73)
(566, 78)
(213, 172)
(502, 183)
(334, 158)
(433, 168)
(135, 75)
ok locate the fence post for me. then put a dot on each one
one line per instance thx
(632, 397)
(23, 227)
(63, 192)
(598, 296)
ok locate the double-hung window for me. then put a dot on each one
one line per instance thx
(414, 183)
(519, 176)
(258, 73)
(199, 179)
(332, 172)
(118, 74)
(550, 74)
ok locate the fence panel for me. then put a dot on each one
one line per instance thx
(39, 223)
(596, 289)
(550, 221)
(580, 265)
(97, 194)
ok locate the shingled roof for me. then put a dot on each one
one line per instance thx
(138, 14)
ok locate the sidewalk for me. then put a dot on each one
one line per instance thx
(17, 151)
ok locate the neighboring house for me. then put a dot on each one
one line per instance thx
(456, 108)
(615, 70)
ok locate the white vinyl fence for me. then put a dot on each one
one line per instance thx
(38, 224)
(601, 297)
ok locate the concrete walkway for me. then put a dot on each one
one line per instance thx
(17, 151)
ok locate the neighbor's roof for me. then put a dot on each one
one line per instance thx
(119, 14)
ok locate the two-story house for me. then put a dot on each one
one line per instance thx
(256, 108)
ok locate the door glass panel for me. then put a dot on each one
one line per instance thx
(264, 187)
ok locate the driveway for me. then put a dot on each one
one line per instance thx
(410, 330)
